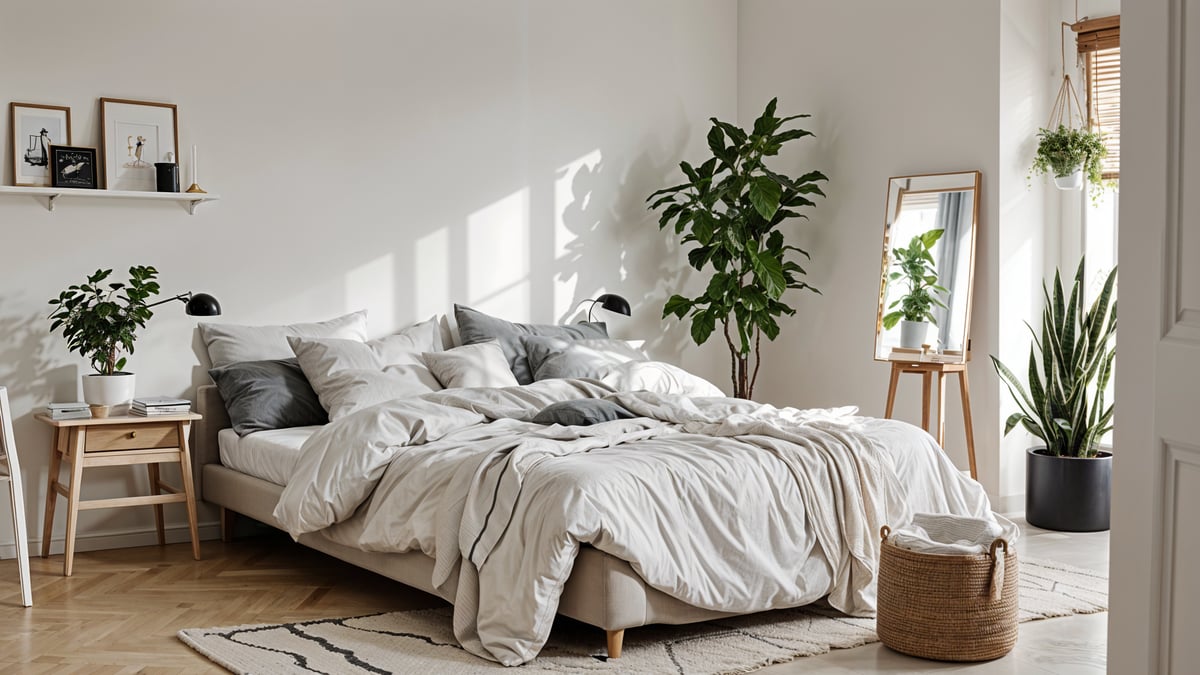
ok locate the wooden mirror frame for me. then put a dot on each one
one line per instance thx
(969, 181)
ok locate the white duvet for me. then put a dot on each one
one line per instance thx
(722, 503)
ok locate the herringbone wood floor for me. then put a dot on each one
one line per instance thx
(120, 611)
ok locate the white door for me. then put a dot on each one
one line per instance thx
(1154, 626)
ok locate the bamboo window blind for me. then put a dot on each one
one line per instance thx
(1099, 44)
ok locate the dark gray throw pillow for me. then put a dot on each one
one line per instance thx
(582, 412)
(475, 327)
(263, 395)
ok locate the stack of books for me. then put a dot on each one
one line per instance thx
(157, 406)
(68, 411)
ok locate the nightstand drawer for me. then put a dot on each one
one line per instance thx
(143, 436)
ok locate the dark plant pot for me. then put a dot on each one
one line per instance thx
(1070, 494)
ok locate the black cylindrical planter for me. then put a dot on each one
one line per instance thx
(167, 176)
(1070, 494)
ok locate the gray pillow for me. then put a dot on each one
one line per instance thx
(475, 327)
(551, 358)
(263, 395)
(582, 412)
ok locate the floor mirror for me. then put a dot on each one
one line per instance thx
(923, 322)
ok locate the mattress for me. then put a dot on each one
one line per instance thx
(269, 455)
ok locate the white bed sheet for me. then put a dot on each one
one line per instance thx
(269, 455)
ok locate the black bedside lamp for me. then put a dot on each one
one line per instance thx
(197, 304)
(611, 302)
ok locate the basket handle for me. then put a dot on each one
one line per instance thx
(884, 532)
(996, 587)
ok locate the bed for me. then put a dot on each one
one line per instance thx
(602, 591)
(689, 507)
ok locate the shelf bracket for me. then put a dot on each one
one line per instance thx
(50, 202)
(191, 206)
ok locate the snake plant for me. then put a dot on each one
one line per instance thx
(1070, 364)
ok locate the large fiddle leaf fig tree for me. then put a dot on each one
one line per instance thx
(732, 207)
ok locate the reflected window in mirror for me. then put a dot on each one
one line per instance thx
(928, 263)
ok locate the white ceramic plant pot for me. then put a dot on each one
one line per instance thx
(103, 392)
(913, 333)
(1071, 182)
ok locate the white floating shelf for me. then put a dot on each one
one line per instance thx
(189, 200)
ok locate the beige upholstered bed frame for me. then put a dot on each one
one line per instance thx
(602, 590)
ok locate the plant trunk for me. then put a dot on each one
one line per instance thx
(742, 375)
(741, 381)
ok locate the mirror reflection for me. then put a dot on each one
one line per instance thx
(928, 263)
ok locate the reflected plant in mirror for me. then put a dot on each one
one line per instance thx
(916, 269)
(927, 265)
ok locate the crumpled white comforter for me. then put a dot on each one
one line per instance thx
(718, 502)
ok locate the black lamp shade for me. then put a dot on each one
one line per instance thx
(614, 303)
(203, 304)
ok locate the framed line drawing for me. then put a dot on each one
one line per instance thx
(33, 128)
(135, 135)
(73, 167)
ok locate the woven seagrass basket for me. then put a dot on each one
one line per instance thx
(947, 607)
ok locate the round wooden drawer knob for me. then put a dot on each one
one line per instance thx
(133, 434)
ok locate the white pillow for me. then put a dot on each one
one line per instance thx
(229, 343)
(349, 375)
(479, 365)
(659, 378)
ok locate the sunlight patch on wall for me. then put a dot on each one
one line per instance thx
(571, 200)
(431, 274)
(498, 257)
(372, 286)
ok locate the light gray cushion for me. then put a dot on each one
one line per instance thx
(582, 412)
(229, 343)
(477, 365)
(475, 327)
(349, 375)
(264, 395)
(551, 357)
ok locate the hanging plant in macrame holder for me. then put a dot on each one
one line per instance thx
(1067, 148)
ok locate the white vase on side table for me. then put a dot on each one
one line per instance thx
(103, 392)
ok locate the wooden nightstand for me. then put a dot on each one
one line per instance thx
(118, 441)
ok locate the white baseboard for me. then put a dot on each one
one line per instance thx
(102, 541)
(1008, 504)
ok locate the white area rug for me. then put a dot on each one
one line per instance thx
(422, 643)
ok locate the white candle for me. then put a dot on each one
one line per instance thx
(195, 168)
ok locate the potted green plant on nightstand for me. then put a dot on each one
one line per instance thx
(1068, 481)
(1070, 155)
(917, 269)
(100, 321)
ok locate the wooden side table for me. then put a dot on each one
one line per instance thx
(118, 441)
(927, 370)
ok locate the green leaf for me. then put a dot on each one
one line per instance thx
(677, 305)
(765, 194)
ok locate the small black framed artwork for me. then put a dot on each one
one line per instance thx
(72, 167)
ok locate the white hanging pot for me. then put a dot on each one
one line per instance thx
(913, 333)
(103, 392)
(1072, 181)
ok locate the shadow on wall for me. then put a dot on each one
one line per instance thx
(27, 372)
(612, 244)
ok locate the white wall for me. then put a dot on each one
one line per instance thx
(393, 156)
(896, 89)
(1026, 240)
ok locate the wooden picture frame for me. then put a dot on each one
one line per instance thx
(32, 129)
(133, 136)
(73, 167)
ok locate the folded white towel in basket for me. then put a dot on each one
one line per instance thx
(953, 535)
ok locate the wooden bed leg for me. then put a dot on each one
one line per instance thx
(615, 638)
(228, 519)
